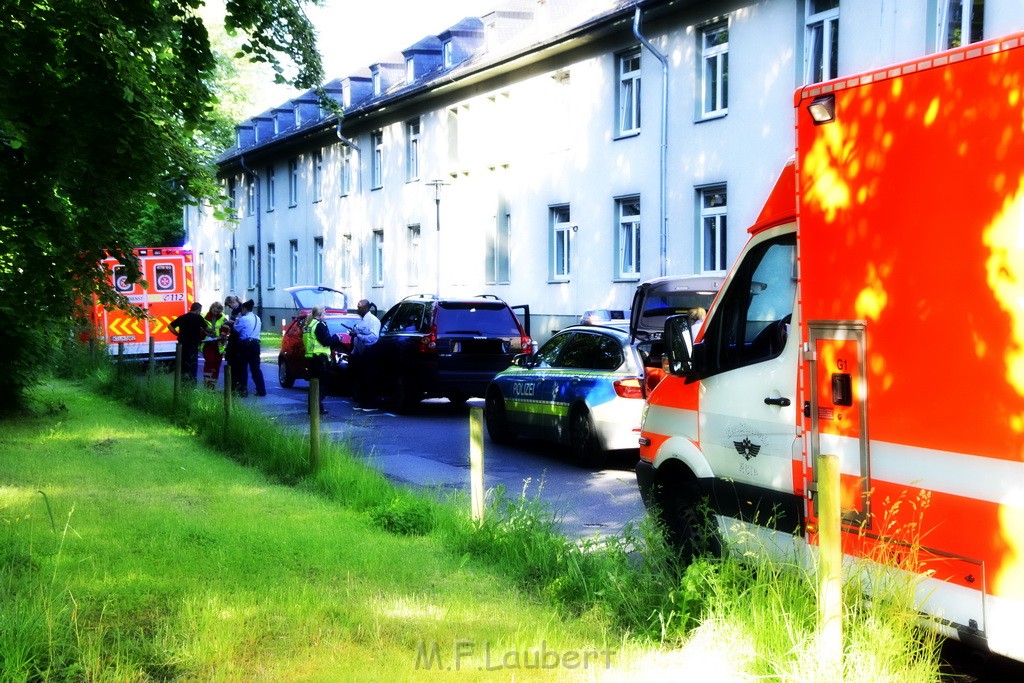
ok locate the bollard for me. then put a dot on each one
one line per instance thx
(227, 399)
(120, 358)
(476, 462)
(177, 375)
(152, 358)
(830, 564)
(314, 424)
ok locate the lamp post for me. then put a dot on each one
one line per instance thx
(437, 184)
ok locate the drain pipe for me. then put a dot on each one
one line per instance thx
(663, 175)
(259, 238)
(345, 140)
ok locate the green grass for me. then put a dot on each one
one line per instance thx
(144, 553)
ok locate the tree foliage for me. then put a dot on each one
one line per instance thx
(107, 124)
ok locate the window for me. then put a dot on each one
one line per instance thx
(447, 58)
(414, 254)
(251, 284)
(346, 170)
(271, 265)
(821, 41)
(715, 76)
(250, 195)
(629, 93)
(216, 270)
(560, 235)
(377, 160)
(345, 266)
(412, 149)
(201, 268)
(318, 260)
(293, 182)
(270, 188)
(959, 19)
(591, 351)
(375, 80)
(410, 70)
(498, 254)
(628, 238)
(318, 175)
(293, 262)
(752, 322)
(233, 197)
(713, 229)
(378, 258)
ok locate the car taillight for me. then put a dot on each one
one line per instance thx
(628, 388)
(524, 343)
(428, 343)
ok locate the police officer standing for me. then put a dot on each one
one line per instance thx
(316, 339)
(247, 356)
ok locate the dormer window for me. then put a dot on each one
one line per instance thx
(410, 70)
(375, 78)
(446, 54)
(346, 96)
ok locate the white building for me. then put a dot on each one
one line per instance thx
(517, 154)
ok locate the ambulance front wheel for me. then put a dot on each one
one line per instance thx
(690, 527)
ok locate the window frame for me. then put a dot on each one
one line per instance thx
(560, 244)
(251, 269)
(318, 175)
(414, 237)
(627, 237)
(498, 250)
(293, 263)
(413, 128)
(318, 260)
(969, 22)
(270, 187)
(376, 159)
(714, 58)
(627, 98)
(293, 182)
(718, 215)
(271, 265)
(827, 22)
(377, 258)
(345, 172)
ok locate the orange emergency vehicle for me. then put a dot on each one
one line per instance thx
(876, 314)
(165, 291)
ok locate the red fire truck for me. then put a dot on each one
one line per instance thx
(875, 314)
(164, 292)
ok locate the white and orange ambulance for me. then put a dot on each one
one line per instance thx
(165, 291)
(876, 314)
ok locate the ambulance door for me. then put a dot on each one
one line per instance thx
(838, 411)
(748, 361)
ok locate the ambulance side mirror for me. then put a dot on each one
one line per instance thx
(678, 340)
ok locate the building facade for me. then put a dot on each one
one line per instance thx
(552, 152)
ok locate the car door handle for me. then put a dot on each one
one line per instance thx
(781, 401)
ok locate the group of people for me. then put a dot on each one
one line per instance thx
(229, 331)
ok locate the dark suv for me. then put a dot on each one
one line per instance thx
(452, 348)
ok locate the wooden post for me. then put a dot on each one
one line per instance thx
(177, 374)
(227, 399)
(314, 424)
(476, 462)
(152, 358)
(830, 564)
(120, 358)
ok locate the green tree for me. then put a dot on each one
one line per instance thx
(108, 122)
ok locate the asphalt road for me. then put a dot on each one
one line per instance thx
(430, 448)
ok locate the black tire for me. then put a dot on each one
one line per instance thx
(494, 417)
(584, 444)
(689, 526)
(284, 375)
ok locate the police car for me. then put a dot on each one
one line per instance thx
(583, 388)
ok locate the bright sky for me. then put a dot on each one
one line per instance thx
(353, 34)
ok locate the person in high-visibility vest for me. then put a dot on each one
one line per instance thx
(317, 341)
(215, 343)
